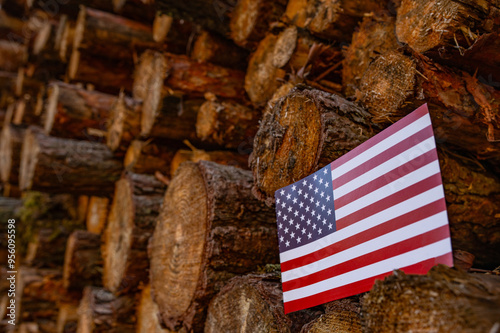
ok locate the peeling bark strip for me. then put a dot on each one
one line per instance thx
(11, 141)
(70, 111)
(131, 222)
(444, 300)
(82, 261)
(330, 19)
(102, 312)
(210, 228)
(66, 166)
(305, 130)
(254, 303)
(465, 112)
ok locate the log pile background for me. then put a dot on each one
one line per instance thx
(142, 142)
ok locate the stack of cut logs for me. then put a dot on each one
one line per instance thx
(143, 140)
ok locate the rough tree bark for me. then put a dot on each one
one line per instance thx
(100, 311)
(66, 165)
(305, 130)
(210, 228)
(445, 300)
(76, 113)
(82, 261)
(226, 123)
(131, 222)
(254, 303)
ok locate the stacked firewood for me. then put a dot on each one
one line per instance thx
(143, 140)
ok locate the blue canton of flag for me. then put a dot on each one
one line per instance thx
(305, 210)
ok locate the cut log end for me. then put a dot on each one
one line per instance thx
(184, 218)
(29, 159)
(5, 154)
(290, 147)
(148, 320)
(51, 108)
(97, 214)
(161, 27)
(387, 84)
(118, 236)
(243, 21)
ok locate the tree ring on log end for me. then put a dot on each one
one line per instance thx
(118, 235)
(291, 147)
(178, 243)
(29, 159)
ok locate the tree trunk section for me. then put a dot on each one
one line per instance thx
(226, 123)
(76, 113)
(306, 130)
(97, 214)
(147, 157)
(250, 20)
(374, 37)
(131, 223)
(210, 228)
(462, 108)
(66, 166)
(10, 153)
(102, 312)
(124, 123)
(254, 303)
(107, 35)
(82, 261)
(209, 47)
(444, 300)
(332, 20)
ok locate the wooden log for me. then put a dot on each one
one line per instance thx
(27, 111)
(443, 300)
(97, 214)
(13, 28)
(49, 30)
(105, 75)
(10, 153)
(473, 203)
(193, 252)
(77, 113)
(175, 33)
(224, 157)
(46, 249)
(447, 31)
(226, 123)
(124, 122)
(100, 311)
(306, 130)
(111, 36)
(13, 55)
(212, 48)
(333, 20)
(340, 316)
(148, 157)
(131, 222)
(250, 20)
(253, 303)
(67, 318)
(157, 72)
(82, 261)
(209, 14)
(148, 315)
(289, 50)
(461, 107)
(66, 165)
(374, 37)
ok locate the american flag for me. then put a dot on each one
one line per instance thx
(378, 208)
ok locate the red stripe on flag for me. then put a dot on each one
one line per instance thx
(384, 156)
(389, 177)
(412, 117)
(362, 285)
(396, 223)
(387, 252)
(389, 201)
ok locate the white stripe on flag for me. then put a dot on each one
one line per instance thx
(404, 207)
(393, 237)
(387, 166)
(391, 188)
(434, 250)
(383, 145)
